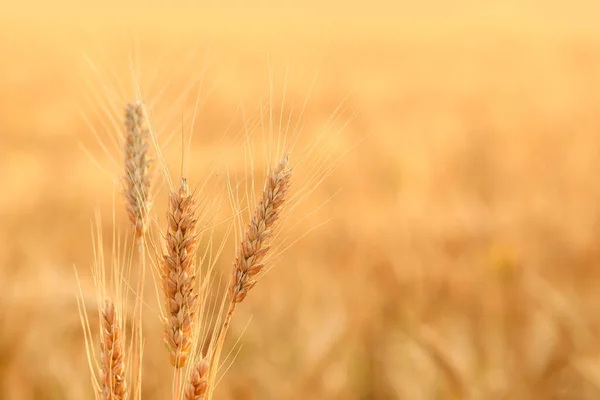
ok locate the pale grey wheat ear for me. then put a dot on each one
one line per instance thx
(137, 194)
(137, 167)
(113, 384)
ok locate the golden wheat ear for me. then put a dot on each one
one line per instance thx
(251, 253)
(179, 275)
(137, 167)
(109, 366)
(197, 387)
(255, 244)
(113, 385)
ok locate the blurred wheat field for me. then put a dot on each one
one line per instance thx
(460, 256)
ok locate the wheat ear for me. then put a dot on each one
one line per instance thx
(137, 194)
(113, 385)
(137, 167)
(255, 244)
(198, 384)
(254, 247)
(179, 278)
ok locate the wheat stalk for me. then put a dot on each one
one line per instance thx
(113, 385)
(137, 194)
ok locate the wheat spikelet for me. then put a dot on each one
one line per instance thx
(179, 276)
(113, 385)
(137, 165)
(254, 246)
(198, 384)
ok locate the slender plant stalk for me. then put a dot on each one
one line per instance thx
(138, 312)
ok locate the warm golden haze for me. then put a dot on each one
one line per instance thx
(452, 253)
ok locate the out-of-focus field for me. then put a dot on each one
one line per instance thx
(460, 259)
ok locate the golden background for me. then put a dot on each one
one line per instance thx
(460, 255)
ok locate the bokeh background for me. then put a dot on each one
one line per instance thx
(460, 256)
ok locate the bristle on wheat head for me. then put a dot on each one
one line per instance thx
(179, 275)
(255, 244)
(137, 167)
(198, 384)
(113, 385)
